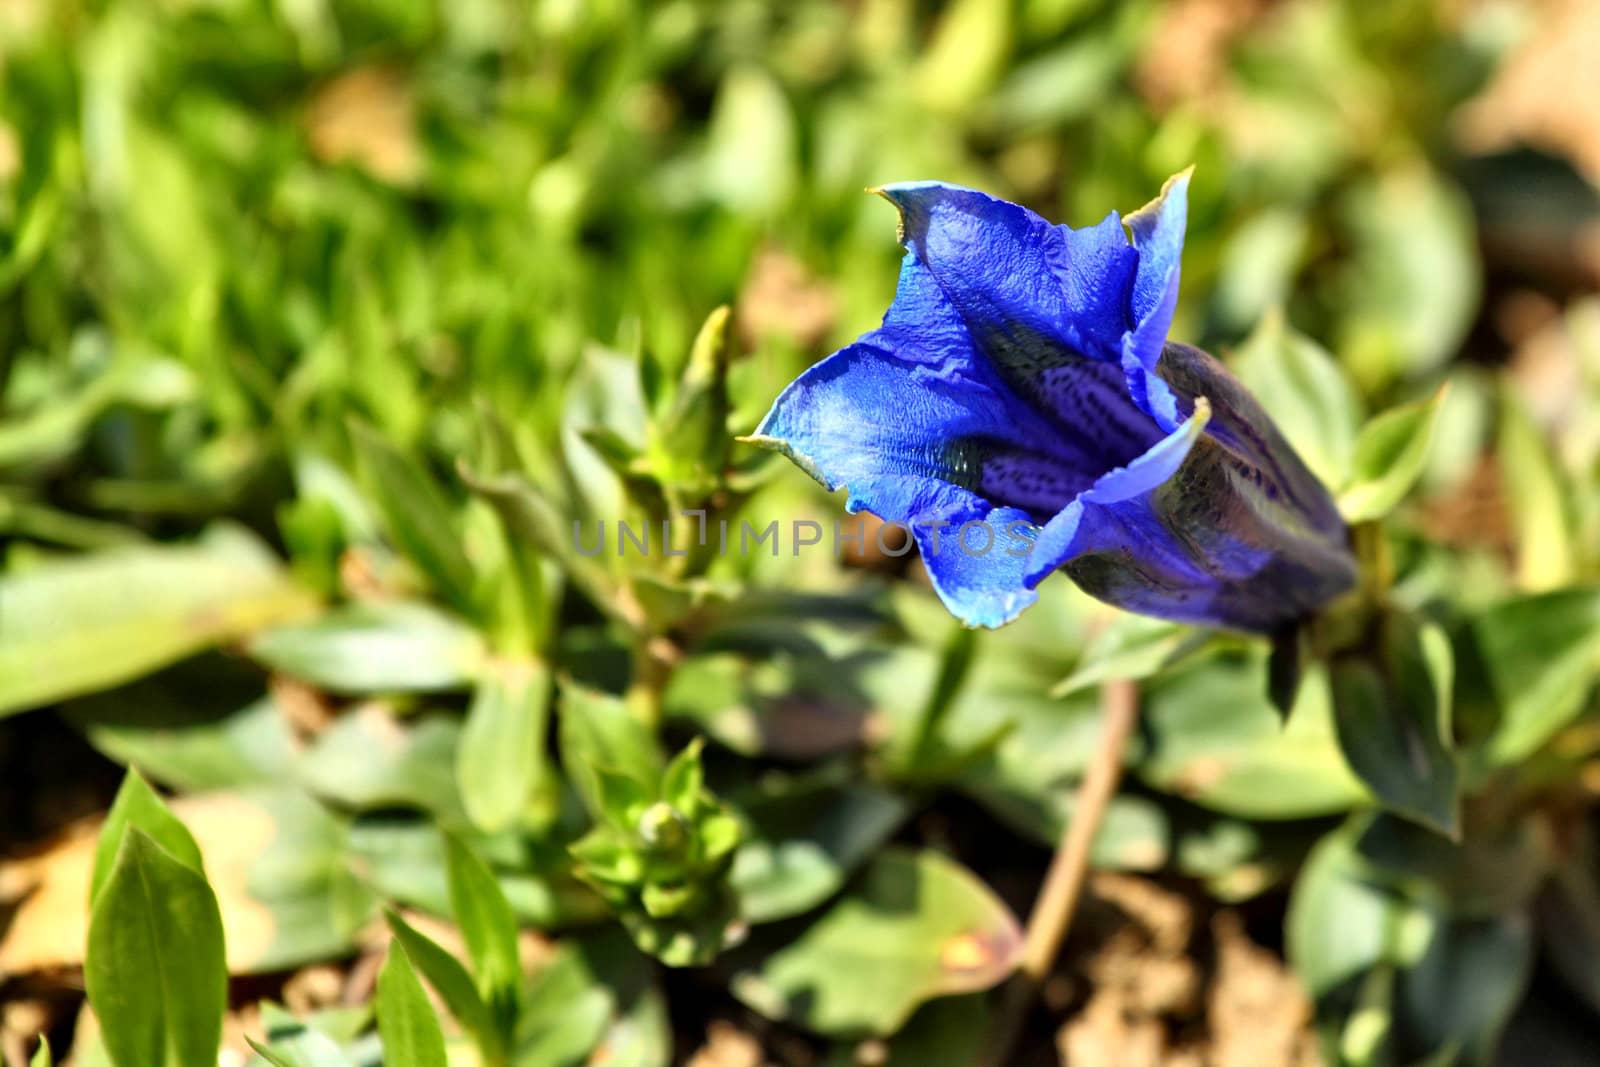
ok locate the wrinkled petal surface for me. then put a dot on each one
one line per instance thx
(1022, 383)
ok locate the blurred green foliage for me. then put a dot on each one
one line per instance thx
(322, 323)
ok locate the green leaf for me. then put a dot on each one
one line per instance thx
(917, 926)
(157, 1005)
(1132, 647)
(1390, 454)
(452, 982)
(501, 760)
(1341, 923)
(370, 759)
(1471, 977)
(1409, 293)
(1392, 711)
(276, 1059)
(594, 1000)
(293, 1043)
(85, 623)
(1306, 391)
(376, 647)
(807, 837)
(1538, 499)
(598, 733)
(1217, 740)
(417, 516)
(41, 1056)
(488, 927)
(1540, 656)
(410, 1031)
(185, 739)
(137, 806)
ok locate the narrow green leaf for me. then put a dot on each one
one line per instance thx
(155, 969)
(377, 647)
(266, 1053)
(406, 1023)
(450, 980)
(417, 516)
(502, 757)
(1539, 500)
(1390, 455)
(41, 1057)
(86, 623)
(138, 806)
(489, 928)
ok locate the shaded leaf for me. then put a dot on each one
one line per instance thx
(370, 759)
(807, 836)
(417, 516)
(1392, 712)
(1307, 392)
(1541, 657)
(1217, 740)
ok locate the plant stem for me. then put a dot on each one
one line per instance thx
(1069, 869)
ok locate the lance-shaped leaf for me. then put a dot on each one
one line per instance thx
(138, 806)
(1392, 707)
(85, 623)
(155, 970)
(417, 516)
(502, 758)
(410, 1031)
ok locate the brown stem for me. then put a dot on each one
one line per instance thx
(1069, 868)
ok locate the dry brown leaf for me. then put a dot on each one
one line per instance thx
(51, 890)
(727, 1046)
(1258, 1013)
(367, 116)
(781, 298)
(1185, 55)
(1547, 94)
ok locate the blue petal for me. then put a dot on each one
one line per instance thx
(979, 573)
(863, 420)
(1157, 229)
(1033, 294)
(1100, 517)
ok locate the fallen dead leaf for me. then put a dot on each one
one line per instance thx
(367, 117)
(782, 298)
(1257, 1012)
(727, 1046)
(1547, 94)
(1186, 53)
(50, 891)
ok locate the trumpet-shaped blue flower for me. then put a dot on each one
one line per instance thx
(1022, 411)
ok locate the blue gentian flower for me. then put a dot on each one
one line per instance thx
(1022, 411)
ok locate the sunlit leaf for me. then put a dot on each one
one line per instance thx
(916, 926)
